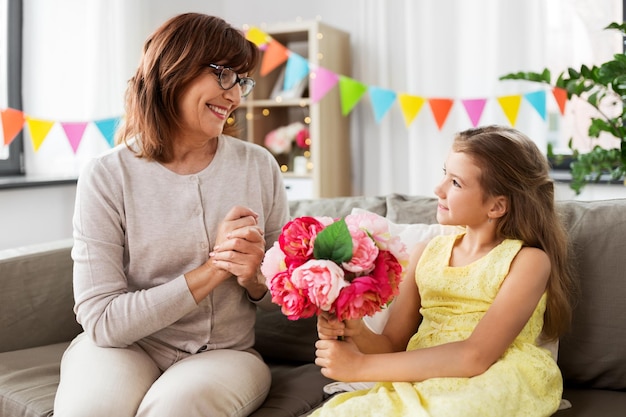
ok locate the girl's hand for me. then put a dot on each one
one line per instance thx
(331, 328)
(339, 360)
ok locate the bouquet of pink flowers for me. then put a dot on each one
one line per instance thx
(349, 267)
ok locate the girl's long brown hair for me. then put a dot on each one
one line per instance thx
(175, 54)
(513, 166)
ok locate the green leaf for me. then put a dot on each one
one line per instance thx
(334, 243)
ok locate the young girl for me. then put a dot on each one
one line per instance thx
(462, 336)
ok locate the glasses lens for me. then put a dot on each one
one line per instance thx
(228, 78)
(247, 84)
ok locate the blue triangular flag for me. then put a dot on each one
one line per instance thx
(107, 127)
(297, 68)
(538, 100)
(382, 99)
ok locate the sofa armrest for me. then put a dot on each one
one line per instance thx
(36, 300)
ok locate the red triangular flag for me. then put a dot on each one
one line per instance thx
(440, 108)
(275, 55)
(560, 95)
(12, 123)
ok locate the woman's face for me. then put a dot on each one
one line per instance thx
(460, 194)
(204, 106)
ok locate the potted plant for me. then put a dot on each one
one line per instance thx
(593, 85)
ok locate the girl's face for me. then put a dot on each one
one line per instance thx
(204, 106)
(461, 197)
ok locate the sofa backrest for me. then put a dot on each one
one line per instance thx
(36, 296)
(592, 353)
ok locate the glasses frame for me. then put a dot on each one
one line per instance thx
(243, 82)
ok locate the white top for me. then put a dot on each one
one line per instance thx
(138, 227)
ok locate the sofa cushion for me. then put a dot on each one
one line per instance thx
(592, 352)
(295, 391)
(278, 338)
(36, 284)
(411, 209)
(29, 379)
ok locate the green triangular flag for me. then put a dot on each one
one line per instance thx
(351, 92)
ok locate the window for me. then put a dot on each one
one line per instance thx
(10, 80)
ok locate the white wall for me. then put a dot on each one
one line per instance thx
(36, 214)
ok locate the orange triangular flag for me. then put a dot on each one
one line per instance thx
(410, 106)
(510, 106)
(12, 123)
(38, 130)
(560, 95)
(275, 55)
(440, 108)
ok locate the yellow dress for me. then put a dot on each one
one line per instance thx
(525, 381)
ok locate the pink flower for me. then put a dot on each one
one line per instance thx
(364, 252)
(303, 139)
(388, 274)
(293, 301)
(297, 240)
(273, 262)
(378, 228)
(322, 281)
(359, 299)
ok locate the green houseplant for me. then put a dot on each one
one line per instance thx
(593, 85)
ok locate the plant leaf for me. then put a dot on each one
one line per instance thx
(334, 243)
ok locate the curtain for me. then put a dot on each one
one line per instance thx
(77, 58)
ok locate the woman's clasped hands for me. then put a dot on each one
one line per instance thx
(240, 247)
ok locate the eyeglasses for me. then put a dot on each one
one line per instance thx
(228, 78)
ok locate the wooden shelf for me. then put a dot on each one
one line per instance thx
(329, 162)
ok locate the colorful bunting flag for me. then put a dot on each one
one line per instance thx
(474, 108)
(351, 92)
(296, 70)
(538, 100)
(274, 55)
(560, 95)
(12, 124)
(440, 108)
(410, 106)
(39, 129)
(257, 36)
(74, 132)
(108, 127)
(382, 99)
(510, 106)
(322, 81)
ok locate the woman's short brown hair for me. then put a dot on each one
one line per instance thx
(175, 54)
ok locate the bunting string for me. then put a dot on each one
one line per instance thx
(321, 81)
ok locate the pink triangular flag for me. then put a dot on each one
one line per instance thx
(474, 108)
(322, 81)
(74, 132)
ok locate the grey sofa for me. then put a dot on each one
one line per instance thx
(37, 323)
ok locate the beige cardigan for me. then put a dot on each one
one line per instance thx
(138, 227)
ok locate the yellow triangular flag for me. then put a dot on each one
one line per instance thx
(257, 36)
(38, 130)
(510, 105)
(410, 106)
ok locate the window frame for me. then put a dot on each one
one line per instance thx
(14, 165)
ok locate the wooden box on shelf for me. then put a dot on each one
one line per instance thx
(325, 169)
